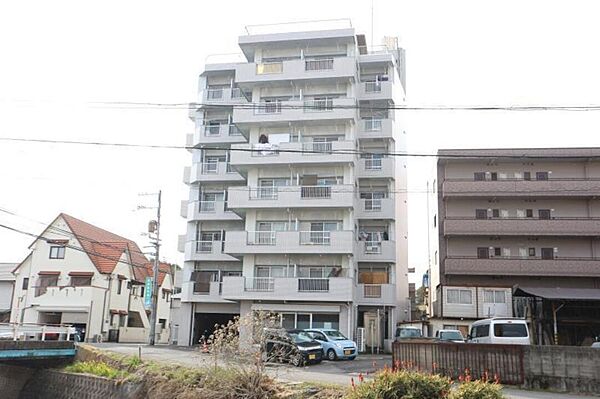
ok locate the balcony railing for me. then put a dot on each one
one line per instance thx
(222, 129)
(315, 238)
(372, 87)
(204, 246)
(313, 285)
(372, 247)
(373, 125)
(262, 237)
(373, 164)
(307, 192)
(210, 168)
(318, 105)
(317, 147)
(268, 108)
(319, 65)
(214, 94)
(207, 206)
(263, 193)
(259, 284)
(373, 205)
(372, 290)
(269, 67)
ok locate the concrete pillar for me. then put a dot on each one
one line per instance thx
(185, 332)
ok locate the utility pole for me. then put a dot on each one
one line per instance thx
(154, 227)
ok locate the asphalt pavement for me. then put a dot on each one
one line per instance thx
(338, 372)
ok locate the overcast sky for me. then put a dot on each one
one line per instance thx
(57, 57)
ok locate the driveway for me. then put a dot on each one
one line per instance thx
(339, 372)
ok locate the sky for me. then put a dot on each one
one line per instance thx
(58, 59)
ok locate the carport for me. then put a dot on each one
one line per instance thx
(561, 316)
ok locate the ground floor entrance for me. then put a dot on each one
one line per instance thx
(204, 324)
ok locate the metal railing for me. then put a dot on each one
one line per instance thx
(211, 167)
(315, 238)
(313, 285)
(34, 331)
(201, 287)
(212, 130)
(319, 65)
(373, 164)
(269, 67)
(372, 290)
(236, 93)
(268, 108)
(207, 206)
(266, 193)
(317, 148)
(259, 284)
(372, 247)
(204, 246)
(234, 130)
(307, 192)
(262, 237)
(373, 125)
(319, 105)
(372, 87)
(373, 205)
(215, 94)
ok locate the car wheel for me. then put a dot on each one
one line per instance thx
(331, 355)
(296, 360)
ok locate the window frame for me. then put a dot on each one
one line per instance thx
(57, 255)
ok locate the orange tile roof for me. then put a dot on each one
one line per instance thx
(105, 249)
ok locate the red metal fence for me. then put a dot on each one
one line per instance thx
(504, 362)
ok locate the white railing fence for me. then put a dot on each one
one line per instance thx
(259, 283)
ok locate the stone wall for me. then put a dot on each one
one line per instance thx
(562, 368)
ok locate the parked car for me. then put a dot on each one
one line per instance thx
(449, 336)
(408, 332)
(597, 343)
(293, 346)
(500, 330)
(335, 344)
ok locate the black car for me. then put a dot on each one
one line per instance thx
(293, 346)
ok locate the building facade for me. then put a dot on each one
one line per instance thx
(518, 236)
(295, 206)
(82, 275)
(7, 286)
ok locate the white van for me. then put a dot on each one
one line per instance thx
(500, 330)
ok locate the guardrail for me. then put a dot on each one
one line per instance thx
(35, 332)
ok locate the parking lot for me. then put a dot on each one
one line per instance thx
(338, 372)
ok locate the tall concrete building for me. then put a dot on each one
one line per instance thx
(295, 206)
(519, 236)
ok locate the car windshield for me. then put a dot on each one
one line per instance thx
(408, 333)
(335, 335)
(299, 337)
(451, 336)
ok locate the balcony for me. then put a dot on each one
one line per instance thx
(379, 208)
(214, 172)
(375, 90)
(223, 96)
(338, 196)
(277, 113)
(293, 153)
(376, 168)
(216, 134)
(523, 226)
(376, 294)
(336, 68)
(67, 298)
(334, 289)
(207, 251)
(181, 240)
(376, 251)
(210, 210)
(376, 128)
(187, 172)
(574, 267)
(288, 242)
(521, 188)
(192, 291)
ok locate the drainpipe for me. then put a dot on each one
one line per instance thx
(104, 307)
(554, 312)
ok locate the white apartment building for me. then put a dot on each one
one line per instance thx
(81, 275)
(295, 206)
(7, 285)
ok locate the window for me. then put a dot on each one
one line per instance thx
(483, 253)
(495, 213)
(547, 253)
(494, 176)
(81, 281)
(541, 175)
(25, 283)
(457, 296)
(479, 176)
(480, 331)
(324, 320)
(544, 214)
(529, 213)
(497, 251)
(434, 220)
(480, 213)
(494, 296)
(119, 286)
(510, 330)
(531, 251)
(57, 252)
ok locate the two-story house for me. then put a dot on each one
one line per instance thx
(85, 276)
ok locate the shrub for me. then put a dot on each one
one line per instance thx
(478, 390)
(402, 384)
(100, 369)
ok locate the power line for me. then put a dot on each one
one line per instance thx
(273, 151)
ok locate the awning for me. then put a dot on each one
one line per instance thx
(572, 294)
(81, 274)
(48, 273)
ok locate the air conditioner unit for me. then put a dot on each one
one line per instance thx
(360, 339)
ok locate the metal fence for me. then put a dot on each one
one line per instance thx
(319, 65)
(372, 290)
(315, 192)
(313, 285)
(453, 360)
(259, 284)
(315, 237)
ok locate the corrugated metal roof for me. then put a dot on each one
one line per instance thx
(574, 294)
(6, 271)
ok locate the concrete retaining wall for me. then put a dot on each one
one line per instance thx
(562, 368)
